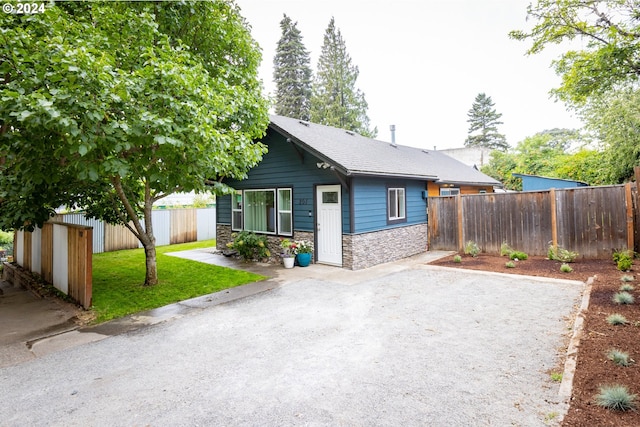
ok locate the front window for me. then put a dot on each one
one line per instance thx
(236, 211)
(263, 211)
(260, 211)
(396, 203)
(285, 213)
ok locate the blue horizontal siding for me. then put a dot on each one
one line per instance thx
(370, 203)
(285, 166)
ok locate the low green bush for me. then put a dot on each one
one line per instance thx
(623, 259)
(457, 259)
(627, 278)
(510, 264)
(472, 248)
(627, 287)
(623, 298)
(616, 397)
(505, 249)
(517, 255)
(561, 254)
(566, 268)
(250, 246)
(619, 357)
(617, 319)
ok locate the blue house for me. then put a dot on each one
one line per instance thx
(540, 183)
(361, 201)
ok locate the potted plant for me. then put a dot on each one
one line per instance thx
(288, 253)
(303, 251)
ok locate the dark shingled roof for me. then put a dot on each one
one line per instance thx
(354, 154)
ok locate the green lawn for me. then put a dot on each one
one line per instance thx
(118, 278)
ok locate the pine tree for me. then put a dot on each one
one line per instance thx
(335, 100)
(291, 73)
(484, 121)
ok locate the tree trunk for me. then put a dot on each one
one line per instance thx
(151, 276)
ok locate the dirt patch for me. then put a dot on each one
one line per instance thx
(593, 369)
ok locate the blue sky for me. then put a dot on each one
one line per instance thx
(422, 63)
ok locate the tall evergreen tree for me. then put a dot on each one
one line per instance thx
(292, 73)
(483, 128)
(336, 101)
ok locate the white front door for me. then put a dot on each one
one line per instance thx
(329, 224)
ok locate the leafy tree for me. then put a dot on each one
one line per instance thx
(112, 106)
(615, 119)
(546, 154)
(292, 73)
(335, 100)
(483, 125)
(609, 55)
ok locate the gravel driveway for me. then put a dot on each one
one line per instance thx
(423, 346)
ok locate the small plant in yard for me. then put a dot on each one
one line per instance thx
(561, 254)
(457, 259)
(510, 264)
(617, 319)
(627, 278)
(623, 298)
(505, 249)
(517, 255)
(556, 376)
(619, 357)
(616, 397)
(623, 259)
(250, 246)
(566, 268)
(627, 287)
(472, 248)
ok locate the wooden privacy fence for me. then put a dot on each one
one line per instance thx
(61, 254)
(170, 226)
(593, 221)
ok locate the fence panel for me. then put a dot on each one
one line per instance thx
(443, 225)
(206, 219)
(517, 219)
(161, 226)
(183, 226)
(97, 225)
(592, 221)
(118, 237)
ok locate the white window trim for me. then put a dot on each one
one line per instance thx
(289, 211)
(234, 210)
(399, 206)
(276, 192)
(449, 189)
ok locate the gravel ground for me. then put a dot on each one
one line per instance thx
(425, 346)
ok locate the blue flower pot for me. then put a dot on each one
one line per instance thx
(304, 259)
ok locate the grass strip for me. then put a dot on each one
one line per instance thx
(118, 277)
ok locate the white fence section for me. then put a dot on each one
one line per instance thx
(205, 226)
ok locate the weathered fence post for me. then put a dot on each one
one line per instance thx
(629, 205)
(554, 219)
(460, 223)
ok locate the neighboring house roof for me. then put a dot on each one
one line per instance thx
(354, 154)
(523, 175)
(471, 156)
